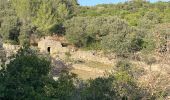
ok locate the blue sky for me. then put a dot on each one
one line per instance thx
(94, 2)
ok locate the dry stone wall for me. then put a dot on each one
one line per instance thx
(11, 49)
(91, 56)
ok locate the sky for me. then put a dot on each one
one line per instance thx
(95, 2)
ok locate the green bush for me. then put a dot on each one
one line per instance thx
(108, 33)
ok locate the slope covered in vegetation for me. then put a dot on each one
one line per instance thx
(136, 30)
(124, 27)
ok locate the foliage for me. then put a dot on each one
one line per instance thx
(20, 18)
(99, 89)
(43, 14)
(120, 85)
(122, 28)
(110, 33)
(27, 77)
(66, 88)
(132, 11)
(9, 23)
(48, 15)
(119, 39)
(92, 30)
(23, 77)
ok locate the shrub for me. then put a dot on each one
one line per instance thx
(108, 33)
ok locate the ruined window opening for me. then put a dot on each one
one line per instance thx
(48, 49)
(64, 44)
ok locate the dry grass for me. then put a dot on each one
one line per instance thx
(85, 75)
(90, 69)
(98, 65)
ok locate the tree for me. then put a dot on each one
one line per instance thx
(25, 9)
(120, 38)
(10, 29)
(23, 77)
(27, 76)
(50, 14)
(24, 35)
(78, 36)
(65, 89)
(111, 33)
(9, 23)
(99, 89)
(43, 14)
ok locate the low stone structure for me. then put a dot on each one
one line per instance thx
(51, 46)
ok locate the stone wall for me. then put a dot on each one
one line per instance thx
(91, 56)
(10, 49)
(53, 47)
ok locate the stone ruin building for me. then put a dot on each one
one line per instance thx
(51, 46)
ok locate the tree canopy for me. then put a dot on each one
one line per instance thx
(109, 33)
(21, 18)
(27, 76)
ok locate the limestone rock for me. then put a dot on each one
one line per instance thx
(11, 49)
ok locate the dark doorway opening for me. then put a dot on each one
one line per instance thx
(48, 49)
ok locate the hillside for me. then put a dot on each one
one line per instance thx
(59, 50)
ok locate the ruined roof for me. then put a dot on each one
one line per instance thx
(55, 38)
